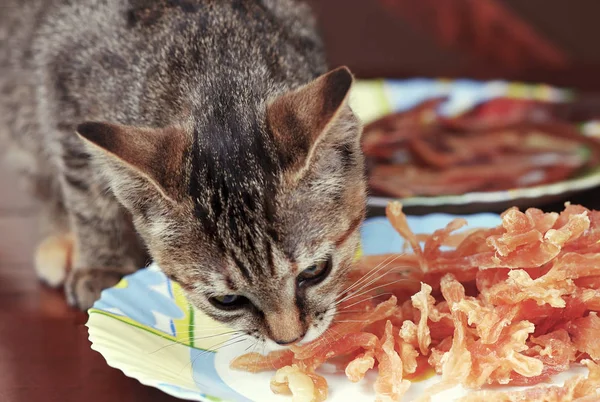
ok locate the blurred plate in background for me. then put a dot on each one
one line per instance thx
(375, 99)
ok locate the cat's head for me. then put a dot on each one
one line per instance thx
(254, 212)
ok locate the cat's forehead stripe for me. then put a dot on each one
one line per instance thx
(233, 183)
(270, 260)
(243, 269)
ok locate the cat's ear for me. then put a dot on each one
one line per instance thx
(135, 155)
(300, 118)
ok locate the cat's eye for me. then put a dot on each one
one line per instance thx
(229, 302)
(316, 273)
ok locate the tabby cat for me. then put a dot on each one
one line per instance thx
(206, 135)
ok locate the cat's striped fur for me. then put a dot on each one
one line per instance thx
(205, 137)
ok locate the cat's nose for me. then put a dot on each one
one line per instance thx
(290, 342)
(284, 327)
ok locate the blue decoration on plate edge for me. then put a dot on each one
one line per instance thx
(125, 301)
(205, 376)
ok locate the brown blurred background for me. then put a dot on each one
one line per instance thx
(550, 41)
(44, 352)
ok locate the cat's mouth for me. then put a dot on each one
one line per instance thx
(310, 335)
(313, 333)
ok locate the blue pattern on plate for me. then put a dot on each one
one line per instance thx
(463, 94)
(206, 377)
(405, 94)
(127, 300)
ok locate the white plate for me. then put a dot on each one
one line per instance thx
(145, 328)
(377, 98)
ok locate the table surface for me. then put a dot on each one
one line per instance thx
(45, 355)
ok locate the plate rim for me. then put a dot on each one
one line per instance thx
(98, 347)
(387, 90)
(564, 187)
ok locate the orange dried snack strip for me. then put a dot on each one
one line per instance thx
(321, 387)
(576, 388)
(339, 330)
(255, 362)
(585, 332)
(410, 157)
(400, 224)
(425, 304)
(513, 304)
(339, 347)
(304, 387)
(389, 385)
(358, 367)
(409, 355)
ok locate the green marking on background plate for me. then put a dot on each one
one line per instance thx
(369, 100)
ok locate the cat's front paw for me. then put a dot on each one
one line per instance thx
(83, 286)
(53, 258)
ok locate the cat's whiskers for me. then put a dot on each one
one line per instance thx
(370, 282)
(366, 291)
(374, 284)
(371, 272)
(327, 336)
(200, 331)
(225, 343)
(350, 321)
(186, 340)
(253, 346)
(214, 349)
(205, 329)
(199, 338)
(343, 310)
(334, 312)
(336, 332)
(369, 297)
(205, 326)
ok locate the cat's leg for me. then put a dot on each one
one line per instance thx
(24, 148)
(105, 242)
(55, 253)
(37, 176)
(53, 258)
